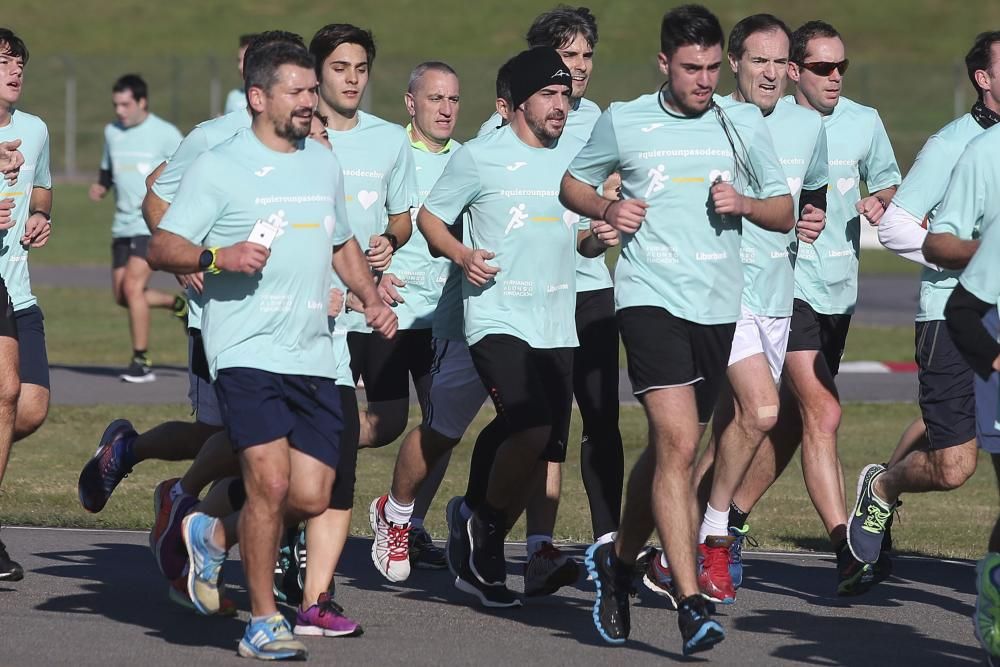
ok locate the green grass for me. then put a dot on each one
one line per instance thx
(907, 46)
(874, 343)
(40, 486)
(81, 230)
(880, 262)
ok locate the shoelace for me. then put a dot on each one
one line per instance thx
(328, 606)
(736, 551)
(399, 542)
(875, 521)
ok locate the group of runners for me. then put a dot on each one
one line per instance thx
(477, 271)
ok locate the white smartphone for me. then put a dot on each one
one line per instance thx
(263, 234)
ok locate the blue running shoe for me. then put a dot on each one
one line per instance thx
(736, 553)
(611, 614)
(107, 467)
(204, 562)
(271, 639)
(699, 630)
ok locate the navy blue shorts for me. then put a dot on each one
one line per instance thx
(988, 397)
(33, 359)
(259, 407)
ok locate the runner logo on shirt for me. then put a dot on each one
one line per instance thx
(517, 218)
(657, 177)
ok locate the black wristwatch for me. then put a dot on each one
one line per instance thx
(48, 217)
(205, 259)
(393, 241)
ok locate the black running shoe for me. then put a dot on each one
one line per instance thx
(853, 576)
(486, 535)
(424, 554)
(9, 569)
(457, 548)
(699, 630)
(613, 582)
(495, 597)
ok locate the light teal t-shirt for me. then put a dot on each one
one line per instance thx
(826, 272)
(591, 272)
(131, 154)
(34, 173)
(203, 137)
(236, 100)
(920, 194)
(511, 191)
(423, 274)
(683, 258)
(769, 257)
(981, 277)
(379, 181)
(970, 207)
(275, 321)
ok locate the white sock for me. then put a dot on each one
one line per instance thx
(714, 523)
(535, 542)
(176, 491)
(465, 511)
(417, 522)
(607, 537)
(396, 512)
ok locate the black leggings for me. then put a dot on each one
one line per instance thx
(595, 387)
(342, 497)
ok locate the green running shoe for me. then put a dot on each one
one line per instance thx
(987, 618)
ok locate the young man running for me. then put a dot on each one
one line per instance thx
(236, 100)
(826, 287)
(748, 403)
(673, 289)
(265, 322)
(133, 146)
(946, 455)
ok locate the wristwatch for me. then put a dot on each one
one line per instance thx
(206, 261)
(393, 241)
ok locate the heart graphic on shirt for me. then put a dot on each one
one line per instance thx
(328, 224)
(366, 198)
(144, 168)
(570, 218)
(794, 185)
(726, 176)
(844, 185)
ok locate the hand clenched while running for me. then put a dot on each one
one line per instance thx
(476, 270)
(242, 257)
(810, 224)
(626, 215)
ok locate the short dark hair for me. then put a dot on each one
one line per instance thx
(503, 83)
(323, 118)
(805, 34)
(689, 25)
(13, 45)
(329, 37)
(246, 39)
(980, 56)
(428, 66)
(751, 25)
(260, 67)
(559, 26)
(132, 83)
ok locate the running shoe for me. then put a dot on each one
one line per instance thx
(713, 569)
(165, 539)
(300, 556)
(657, 578)
(139, 371)
(866, 526)
(699, 630)
(180, 309)
(271, 639)
(853, 576)
(987, 617)
(391, 546)
(177, 591)
(325, 619)
(424, 554)
(10, 570)
(613, 582)
(286, 585)
(457, 548)
(492, 596)
(205, 562)
(548, 570)
(106, 468)
(486, 558)
(740, 537)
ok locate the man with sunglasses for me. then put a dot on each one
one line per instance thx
(944, 456)
(826, 286)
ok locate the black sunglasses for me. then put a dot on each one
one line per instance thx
(823, 68)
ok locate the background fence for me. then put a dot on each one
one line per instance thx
(73, 95)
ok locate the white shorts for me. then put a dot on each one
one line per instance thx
(759, 334)
(457, 393)
(204, 403)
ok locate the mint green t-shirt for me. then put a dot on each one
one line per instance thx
(981, 277)
(682, 258)
(920, 194)
(236, 100)
(769, 257)
(379, 181)
(971, 206)
(423, 274)
(274, 321)
(34, 173)
(131, 153)
(591, 272)
(203, 137)
(511, 191)
(826, 272)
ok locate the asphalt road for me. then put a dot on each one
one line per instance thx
(95, 598)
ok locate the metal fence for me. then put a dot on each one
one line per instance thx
(73, 95)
